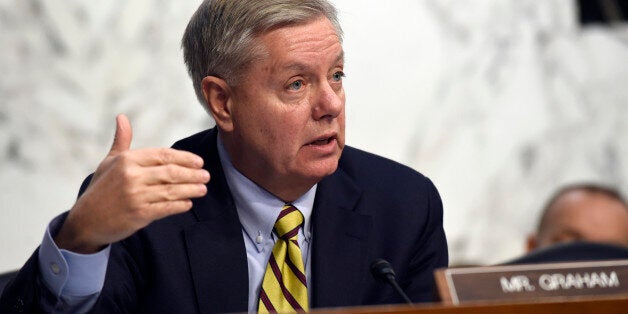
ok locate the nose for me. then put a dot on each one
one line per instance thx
(328, 102)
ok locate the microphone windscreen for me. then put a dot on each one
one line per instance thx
(381, 269)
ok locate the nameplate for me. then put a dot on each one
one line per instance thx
(534, 281)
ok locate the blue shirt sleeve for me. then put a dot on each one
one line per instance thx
(75, 279)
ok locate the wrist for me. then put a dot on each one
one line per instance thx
(71, 239)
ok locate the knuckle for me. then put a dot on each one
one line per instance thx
(173, 172)
(143, 212)
(128, 176)
(170, 193)
(165, 155)
(123, 157)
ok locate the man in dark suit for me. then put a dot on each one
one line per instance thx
(172, 240)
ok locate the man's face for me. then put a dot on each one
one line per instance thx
(288, 111)
(585, 216)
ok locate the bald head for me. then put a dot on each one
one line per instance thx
(583, 213)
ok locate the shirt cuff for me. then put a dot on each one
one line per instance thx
(68, 273)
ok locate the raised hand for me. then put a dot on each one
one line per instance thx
(129, 190)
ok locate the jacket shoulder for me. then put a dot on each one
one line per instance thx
(367, 167)
(197, 143)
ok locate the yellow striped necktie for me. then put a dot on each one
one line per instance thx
(284, 289)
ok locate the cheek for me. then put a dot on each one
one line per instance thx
(287, 137)
(275, 136)
(341, 122)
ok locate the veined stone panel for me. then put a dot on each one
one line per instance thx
(499, 102)
(68, 67)
(526, 101)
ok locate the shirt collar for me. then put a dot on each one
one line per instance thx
(257, 208)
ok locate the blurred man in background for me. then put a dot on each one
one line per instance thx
(582, 212)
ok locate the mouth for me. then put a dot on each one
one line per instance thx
(323, 140)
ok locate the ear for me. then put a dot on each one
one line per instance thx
(218, 97)
(532, 242)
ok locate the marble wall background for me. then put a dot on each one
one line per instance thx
(498, 101)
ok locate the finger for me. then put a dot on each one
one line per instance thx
(168, 174)
(123, 136)
(164, 156)
(172, 192)
(164, 209)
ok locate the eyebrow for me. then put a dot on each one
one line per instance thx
(341, 57)
(302, 67)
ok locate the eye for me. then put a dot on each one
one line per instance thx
(296, 85)
(338, 76)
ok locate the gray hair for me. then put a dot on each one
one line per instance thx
(220, 37)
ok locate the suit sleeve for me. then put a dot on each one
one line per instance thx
(22, 294)
(431, 251)
(46, 284)
(59, 281)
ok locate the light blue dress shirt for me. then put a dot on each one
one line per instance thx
(77, 279)
(258, 210)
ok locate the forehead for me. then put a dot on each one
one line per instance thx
(588, 202)
(590, 210)
(302, 45)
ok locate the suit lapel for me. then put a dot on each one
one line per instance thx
(219, 271)
(217, 253)
(215, 247)
(340, 235)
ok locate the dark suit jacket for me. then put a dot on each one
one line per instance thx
(572, 252)
(195, 262)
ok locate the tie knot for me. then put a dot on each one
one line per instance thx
(288, 222)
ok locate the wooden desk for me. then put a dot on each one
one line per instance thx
(571, 305)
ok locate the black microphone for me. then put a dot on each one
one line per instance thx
(383, 271)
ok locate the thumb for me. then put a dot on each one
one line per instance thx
(123, 136)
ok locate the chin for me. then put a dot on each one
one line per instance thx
(320, 171)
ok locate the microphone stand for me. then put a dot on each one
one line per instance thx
(383, 271)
